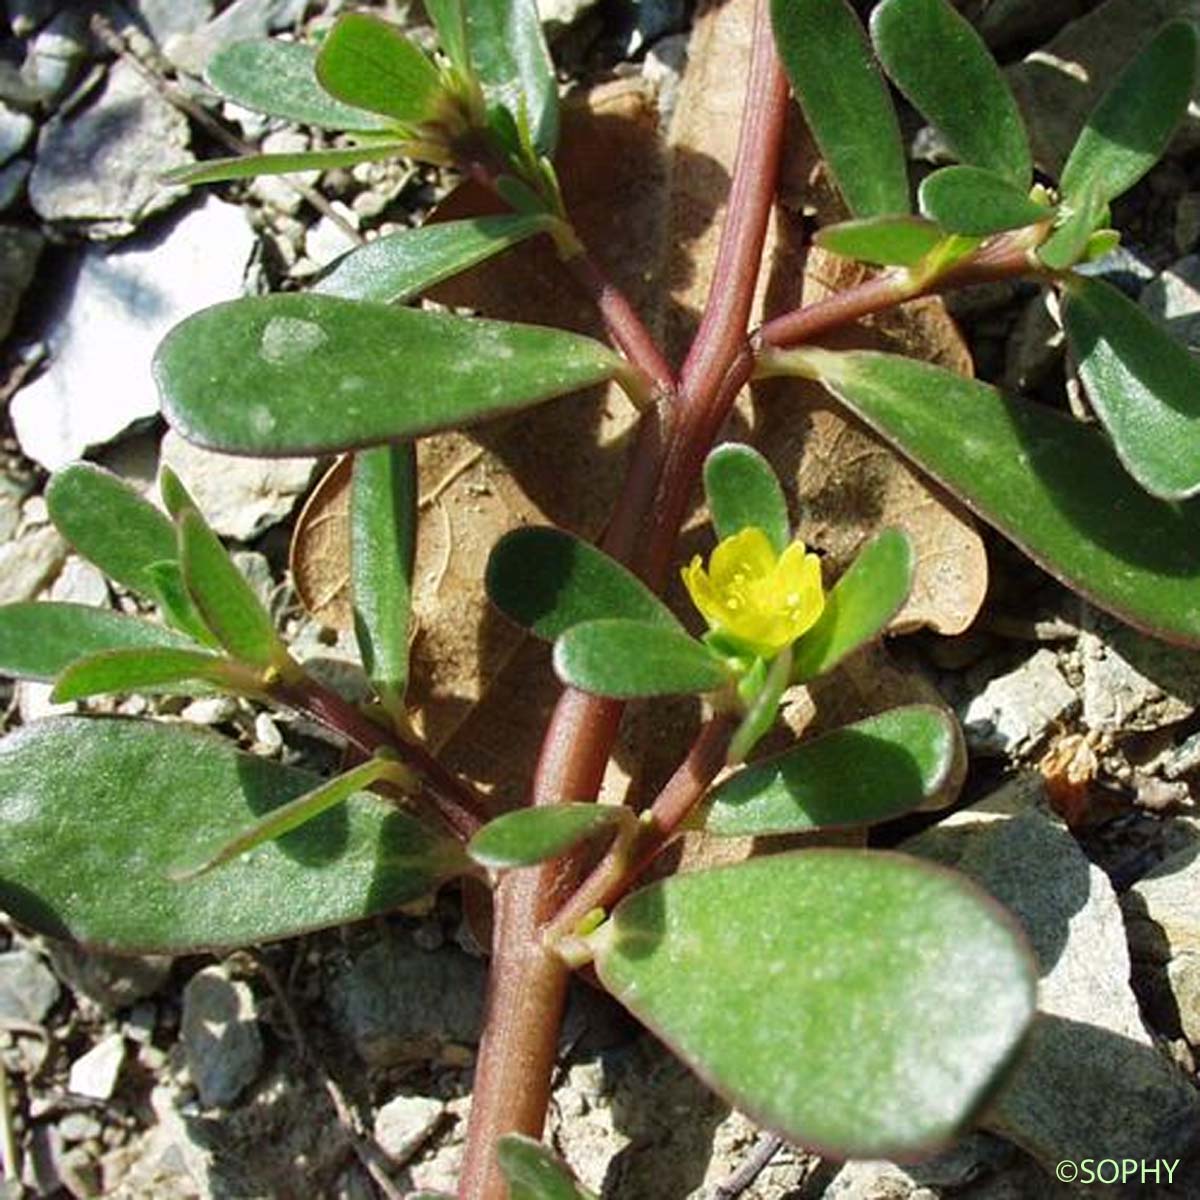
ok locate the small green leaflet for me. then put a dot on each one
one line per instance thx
(530, 836)
(150, 668)
(976, 202)
(885, 241)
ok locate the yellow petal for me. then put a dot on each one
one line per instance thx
(745, 556)
(702, 592)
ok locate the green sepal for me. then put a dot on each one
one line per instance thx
(861, 774)
(627, 660)
(763, 708)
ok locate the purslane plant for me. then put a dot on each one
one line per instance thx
(807, 987)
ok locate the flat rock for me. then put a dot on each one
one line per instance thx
(28, 989)
(80, 583)
(399, 1003)
(1133, 683)
(13, 179)
(110, 981)
(56, 55)
(220, 1036)
(1016, 711)
(1173, 297)
(1090, 1075)
(166, 18)
(1060, 83)
(95, 1073)
(403, 1123)
(100, 168)
(240, 497)
(242, 19)
(121, 306)
(25, 16)
(16, 128)
(19, 252)
(29, 563)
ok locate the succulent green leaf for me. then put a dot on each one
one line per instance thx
(175, 601)
(95, 813)
(39, 640)
(530, 836)
(224, 598)
(110, 524)
(400, 266)
(1143, 385)
(383, 541)
(631, 659)
(147, 668)
(367, 62)
(1129, 129)
(450, 20)
(845, 101)
(742, 490)
(286, 375)
(867, 772)
(857, 1003)
(175, 496)
(1051, 484)
(510, 59)
(292, 815)
(859, 606)
(547, 581)
(1078, 219)
(248, 166)
(279, 78)
(978, 202)
(885, 241)
(534, 1173)
(941, 64)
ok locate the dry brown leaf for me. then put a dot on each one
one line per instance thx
(319, 555)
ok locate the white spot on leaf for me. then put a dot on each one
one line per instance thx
(289, 339)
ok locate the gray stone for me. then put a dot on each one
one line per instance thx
(101, 168)
(1174, 299)
(16, 128)
(403, 1124)
(95, 1073)
(242, 19)
(121, 306)
(55, 55)
(80, 583)
(1016, 711)
(240, 497)
(12, 492)
(165, 18)
(13, 179)
(556, 15)
(1059, 84)
(26, 16)
(111, 981)
(78, 1127)
(220, 1036)
(398, 1003)
(1134, 683)
(326, 240)
(28, 989)
(19, 253)
(1123, 268)
(1090, 1074)
(276, 191)
(34, 703)
(29, 562)
(211, 710)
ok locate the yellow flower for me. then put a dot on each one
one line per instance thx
(761, 600)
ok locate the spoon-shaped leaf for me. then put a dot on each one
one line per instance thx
(870, 771)
(1051, 484)
(289, 375)
(367, 62)
(532, 835)
(279, 78)
(449, 18)
(859, 606)
(630, 659)
(149, 668)
(294, 813)
(402, 265)
(226, 601)
(248, 166)
(39, 640)
(942, 65)
(858, 1003)
(109, 523)
(383, 539)
(742, 490)
(885, 241)
(534, 1173)
(510, 59)
(977, 202)
(547, 581)
(1143, 385)
(94, 814)
(845, 100)
(1129, 129)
